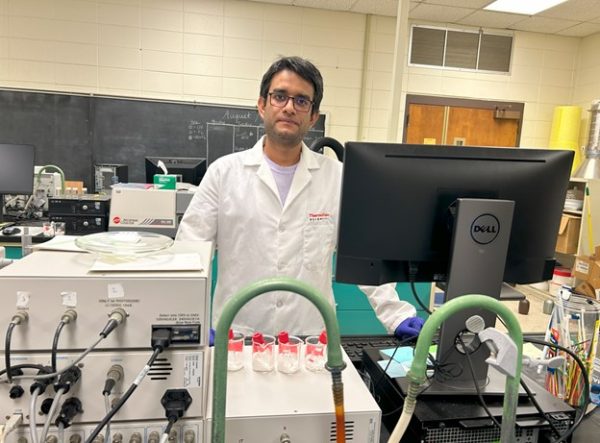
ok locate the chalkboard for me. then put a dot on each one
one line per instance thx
(57, 125)
(76, 132)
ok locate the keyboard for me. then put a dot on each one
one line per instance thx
(354, 344)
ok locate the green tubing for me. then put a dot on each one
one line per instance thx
(417, 372)
(334, 351)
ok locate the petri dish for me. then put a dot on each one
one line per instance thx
(129, 243)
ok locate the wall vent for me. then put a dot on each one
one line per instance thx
(451, 48)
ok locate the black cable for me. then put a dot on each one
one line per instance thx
(116, 318)
(538, 407)
(161, 339)
(169, 427)
(479, 395)
(561, 438)
(59, 328)
(175, 402)
(447, 371)
(123, 398)
(401, 394)
(584, 375)
(7, 341)
(523, 384)
(389, 362)
(24, 366)
(113, 376)
(416, 297)
(413, 270)
(384, 373)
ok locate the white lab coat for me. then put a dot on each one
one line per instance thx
(296, 240)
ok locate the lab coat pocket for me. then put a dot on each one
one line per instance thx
(318, 241)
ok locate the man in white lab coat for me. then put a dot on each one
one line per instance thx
(273, 211)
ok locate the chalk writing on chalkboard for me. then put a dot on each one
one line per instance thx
(196, 130)
(238, 116)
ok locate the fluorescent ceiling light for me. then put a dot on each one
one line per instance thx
(528, 7)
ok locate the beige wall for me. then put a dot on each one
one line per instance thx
(205, 50)
(216, 51)
(587, 80)
(377, 77)
(542, 76)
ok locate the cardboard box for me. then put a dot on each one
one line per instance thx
(587, 272)
(586, 268)
(568, 234)
(585, 288)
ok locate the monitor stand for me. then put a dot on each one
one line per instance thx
(477, 260)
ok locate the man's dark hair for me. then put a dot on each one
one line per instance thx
(300, 66)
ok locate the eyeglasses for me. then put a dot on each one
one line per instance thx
(280, 100)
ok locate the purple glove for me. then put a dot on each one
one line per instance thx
(409, 328)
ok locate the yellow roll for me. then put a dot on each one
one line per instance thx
(565, 131)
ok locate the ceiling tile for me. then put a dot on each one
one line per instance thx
(491, 19)
(339, 5)
(439, 13)
(279, 2)
(472, 4)
(543, 24)
(568, 18)
(380, 7)
(581, 30)
(573, 10)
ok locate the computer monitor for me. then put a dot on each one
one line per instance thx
(191, 169)
(467, 217)
(16, 170)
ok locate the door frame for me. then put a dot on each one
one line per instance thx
(503, 109)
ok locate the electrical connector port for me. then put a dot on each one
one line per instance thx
(67, 379)
(182, 334)
(175, 402)
(15, 392)
(70, 408)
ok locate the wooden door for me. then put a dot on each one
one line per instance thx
(426, 124)
(449, 121)
(480, 127)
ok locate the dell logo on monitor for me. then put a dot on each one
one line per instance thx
(485, 229)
